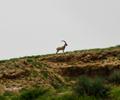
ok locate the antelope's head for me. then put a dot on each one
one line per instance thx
(65, 42)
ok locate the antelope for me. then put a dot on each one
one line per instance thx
(62, 47)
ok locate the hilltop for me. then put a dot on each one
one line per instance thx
(55, 70)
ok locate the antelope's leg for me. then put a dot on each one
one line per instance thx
(56, 51)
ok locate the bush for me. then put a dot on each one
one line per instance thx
(115, 93)
(3, 97)
(83, 86)
(90, 87)
(32, 94)
(99, 89)
(115, 77)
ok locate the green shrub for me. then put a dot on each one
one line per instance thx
(91, 87)
(115, 93)
(32, 94)
(115, 77)
(9, 96)
(66, 97)
(99, 89)
(3, 97)
(72, 97)
(83, 86)
(45, 74)
(29, 60)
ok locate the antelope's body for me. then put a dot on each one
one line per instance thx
(62, 48)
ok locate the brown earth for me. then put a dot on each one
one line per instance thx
(51, 70)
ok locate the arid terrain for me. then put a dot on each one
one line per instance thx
(58, 70)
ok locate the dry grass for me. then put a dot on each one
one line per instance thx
(52, 70)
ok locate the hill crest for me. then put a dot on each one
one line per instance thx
(51, 70)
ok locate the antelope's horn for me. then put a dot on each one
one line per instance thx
(64, 41)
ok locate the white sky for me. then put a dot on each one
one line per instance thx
(35, 27)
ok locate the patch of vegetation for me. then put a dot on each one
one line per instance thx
(3, 97)
(32, 94)
(115, 93)
(36, 63)
(68, 96)
(61, 72)
(34, 73)
(45, 74)
(115, 77)
(29, 60)
(91, 87)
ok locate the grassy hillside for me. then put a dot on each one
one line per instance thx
(61, 74)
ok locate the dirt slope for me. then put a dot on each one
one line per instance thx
(51, 70)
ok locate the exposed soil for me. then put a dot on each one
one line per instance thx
(51, 70)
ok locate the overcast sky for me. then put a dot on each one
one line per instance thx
(35, 27)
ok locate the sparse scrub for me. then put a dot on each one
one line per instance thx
(72, 97)
(45, 74)
(83, 86)
(3, 97)
(34, 73)
(29, 60)
(115, 93)
(36, 63)
(115, 77)
(32, 94)
(66, 97)
(61, 72)
(89, 98)
(91, 87)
